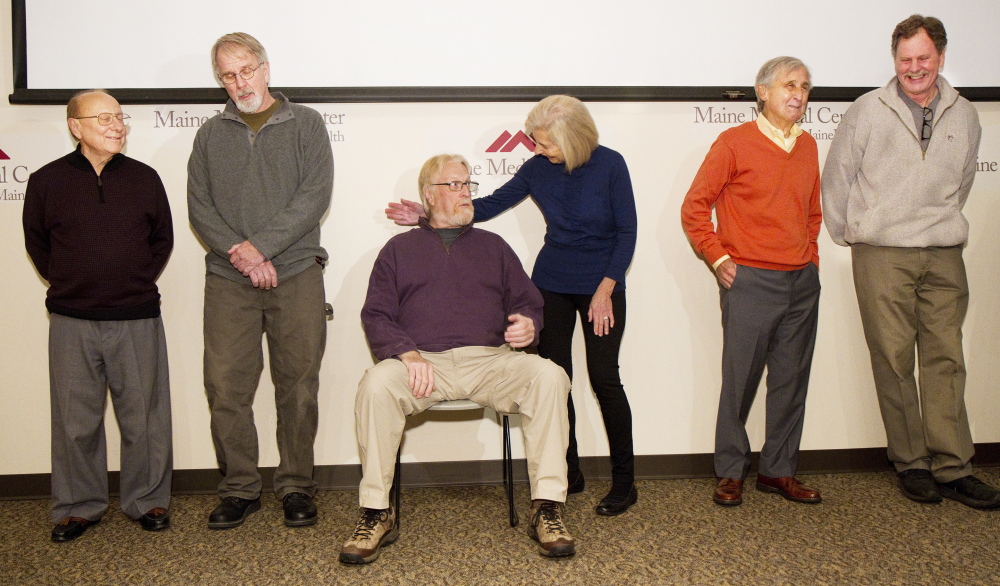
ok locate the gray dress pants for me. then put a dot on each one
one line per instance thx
(769, 319)
(86, 359)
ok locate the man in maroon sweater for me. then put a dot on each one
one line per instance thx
(447, 305)
(97, 227)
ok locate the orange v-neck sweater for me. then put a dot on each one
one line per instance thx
(766, 201)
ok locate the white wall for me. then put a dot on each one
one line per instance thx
(670, 357)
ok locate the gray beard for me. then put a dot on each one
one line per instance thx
(462, 218)
(250, 107)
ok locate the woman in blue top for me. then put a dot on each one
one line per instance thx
(585, 194)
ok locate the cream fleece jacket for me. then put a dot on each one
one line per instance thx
(879, 186)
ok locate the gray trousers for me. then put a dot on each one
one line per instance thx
(768, 319)
(917, 298)
(499, 378)
(292, 317)
(86, 359)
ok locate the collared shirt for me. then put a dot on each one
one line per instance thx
(918, 113)
(776, 135)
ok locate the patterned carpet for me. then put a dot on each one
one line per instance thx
(864, 532)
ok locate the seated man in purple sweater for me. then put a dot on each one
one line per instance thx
(447, 305)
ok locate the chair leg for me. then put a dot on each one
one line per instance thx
(508, 473)
(397, 480)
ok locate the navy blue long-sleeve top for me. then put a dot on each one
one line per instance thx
(590, 219)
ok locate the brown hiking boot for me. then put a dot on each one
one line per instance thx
(376, 527)
(548, 530)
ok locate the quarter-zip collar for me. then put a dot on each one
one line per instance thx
(425, 224)
(890, 97)
(78, 160)
(282, 114)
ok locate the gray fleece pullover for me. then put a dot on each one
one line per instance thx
(880, 188)
(271, 188)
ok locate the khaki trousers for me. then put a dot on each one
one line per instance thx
(499, 378)
(917, 297)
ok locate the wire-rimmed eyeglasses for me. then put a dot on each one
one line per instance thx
(458, 185)
(105, 118)
(246, 73)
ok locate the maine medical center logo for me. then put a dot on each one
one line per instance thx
(506, 142)
(12, 179)
(518, 144)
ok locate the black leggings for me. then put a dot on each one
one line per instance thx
(556, 344)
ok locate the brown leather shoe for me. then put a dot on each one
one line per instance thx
(788, 487)
(729, 492)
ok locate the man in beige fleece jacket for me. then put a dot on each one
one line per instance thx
(896, 178)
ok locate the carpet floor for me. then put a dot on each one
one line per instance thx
(864, 532)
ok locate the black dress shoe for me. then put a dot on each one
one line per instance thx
(232, 511)
(918, 485)
(617, 503)
(971, 492)
(156, 519)
(70, 528)
(576, 483)
(299, 510)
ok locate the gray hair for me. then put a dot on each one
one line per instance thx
(770, 71)
(237, 40)
(432, 168)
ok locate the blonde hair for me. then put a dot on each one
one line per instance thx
(432, 167)
(241, 40)
(568, 124)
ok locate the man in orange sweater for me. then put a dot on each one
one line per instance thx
(763, 179)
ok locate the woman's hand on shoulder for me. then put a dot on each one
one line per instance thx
(406, 212)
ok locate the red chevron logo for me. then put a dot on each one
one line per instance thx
(506, 142)
(4, 156)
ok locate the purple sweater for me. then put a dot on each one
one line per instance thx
(422, 296)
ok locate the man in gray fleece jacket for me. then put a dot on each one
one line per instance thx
(896, 178)
(259, 181)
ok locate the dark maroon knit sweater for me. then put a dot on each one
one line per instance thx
(100, 241)
(425, 296)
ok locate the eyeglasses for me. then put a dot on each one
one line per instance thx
(458, 185)
(246, 73)
(105, 118)
(925, 130)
